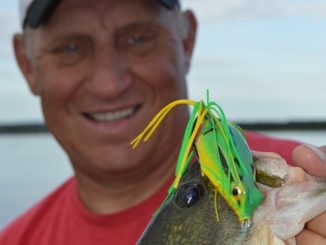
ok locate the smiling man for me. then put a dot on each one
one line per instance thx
(103, 69)
(101, 78)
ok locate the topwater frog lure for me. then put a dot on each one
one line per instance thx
(222, 152)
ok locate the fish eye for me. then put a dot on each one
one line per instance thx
(188, 195)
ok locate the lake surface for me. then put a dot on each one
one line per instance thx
(33, 165)
(30, 166)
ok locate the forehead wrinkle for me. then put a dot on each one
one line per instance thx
(74, 16)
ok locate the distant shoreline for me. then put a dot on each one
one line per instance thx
(28, 128)
(23, 128)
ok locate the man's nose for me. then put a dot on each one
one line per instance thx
(109, 76)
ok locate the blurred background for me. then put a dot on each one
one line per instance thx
(264, 61)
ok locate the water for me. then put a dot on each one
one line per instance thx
(30, 166)
(317, 138)
(33, 165)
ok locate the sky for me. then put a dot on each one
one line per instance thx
(261, 60)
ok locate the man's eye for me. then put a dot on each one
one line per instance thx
(138, 44)
(136, 39)
(70, 53)
(71, 48)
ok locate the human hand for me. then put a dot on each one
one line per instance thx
(313, 161)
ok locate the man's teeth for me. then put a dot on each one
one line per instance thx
(111, 116)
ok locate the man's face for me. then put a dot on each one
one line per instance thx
(103, 69)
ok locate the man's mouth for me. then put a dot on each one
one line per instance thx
(112, 115)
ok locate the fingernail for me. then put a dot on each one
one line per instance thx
(321, 155)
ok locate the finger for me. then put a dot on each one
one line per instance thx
(307, 237)
(311, 159)
(318, 225)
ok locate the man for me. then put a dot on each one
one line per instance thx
(103, 69)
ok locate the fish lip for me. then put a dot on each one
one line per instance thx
(112, 115)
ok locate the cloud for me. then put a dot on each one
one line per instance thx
(217, 10)
(317, 8)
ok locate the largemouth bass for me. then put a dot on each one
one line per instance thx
(196, 214)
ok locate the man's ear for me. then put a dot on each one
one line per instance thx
(25, 63)
(189, 38)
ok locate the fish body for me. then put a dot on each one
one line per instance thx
(189, 215)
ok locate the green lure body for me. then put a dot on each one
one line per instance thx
(228, 164)
(222, 153)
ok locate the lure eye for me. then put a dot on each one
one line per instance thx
(236, 192)
(188, 195)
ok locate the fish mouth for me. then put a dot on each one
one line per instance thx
(112, 116)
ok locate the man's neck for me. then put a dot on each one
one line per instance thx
(114, 197)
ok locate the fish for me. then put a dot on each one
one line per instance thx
(196, 214)
(188, 216)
